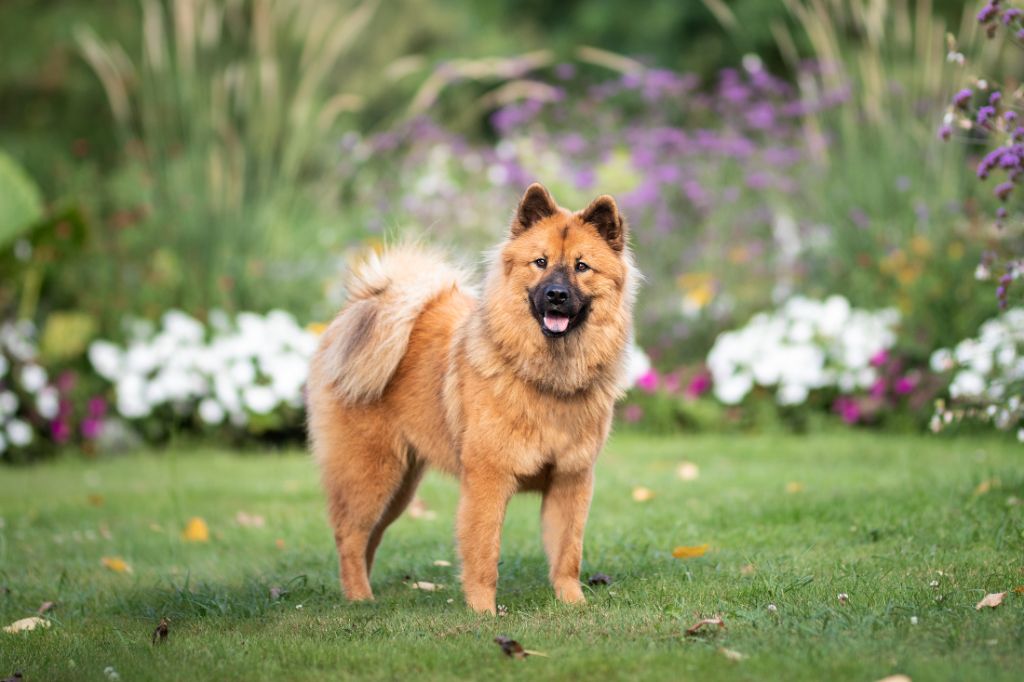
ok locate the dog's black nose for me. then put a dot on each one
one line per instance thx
(556, 294)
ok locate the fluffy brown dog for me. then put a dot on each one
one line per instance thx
(511, 392)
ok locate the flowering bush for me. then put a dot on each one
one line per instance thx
(35, 412)
(987, 374)
(245, 374)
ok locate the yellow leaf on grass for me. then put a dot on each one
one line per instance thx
(794, 487)
(196, 530)
(683, 552)
(688, 471)
(27, 624)
(642, 494)
(116, 564)
(991, 600)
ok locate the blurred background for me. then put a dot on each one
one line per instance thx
(184, 183)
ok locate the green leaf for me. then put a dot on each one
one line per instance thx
(21, 204)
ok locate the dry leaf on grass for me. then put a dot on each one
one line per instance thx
(895, 678)
(95, 500)
(418, 510)
(279, 543)
(642, 494)
(991, 600)
(1019, 589)
(708, 622)
(442, 563)
(426, 586)
(514, 649)
(160, 634)
(116, 564)
(986, 486)
(45, 606)
(684, 552)
(731, 654)
(794, 487)
(247, 520)
(27, 624)
(196, 530)
(688, 471)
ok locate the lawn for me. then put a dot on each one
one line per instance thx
(915, 530)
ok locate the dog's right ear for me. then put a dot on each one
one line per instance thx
(535, 205)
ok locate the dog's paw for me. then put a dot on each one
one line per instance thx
(481, 602)
(570, 592)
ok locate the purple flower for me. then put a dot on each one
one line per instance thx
(648, 382)
(91, 428)
(565, 71)
(1010, 116)
(904, 385)
(945, 132)
(961, 98)
(97, 407)
(1011, 14)
(988, 12)
(994, 98)
(1001, 212)
(985, 113)
(1020, 34)
(1002, 190)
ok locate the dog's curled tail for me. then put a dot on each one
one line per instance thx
(361, 349)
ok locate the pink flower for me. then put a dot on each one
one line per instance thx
(97, 407)
(878, 388)
(633, 413)
(648, 382)
(60, 431)
(699, 385)
(847, 408)
(672, 382)
(91, 428)
(880, 358)
(904, 385)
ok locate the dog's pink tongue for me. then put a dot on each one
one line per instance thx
(555, 322)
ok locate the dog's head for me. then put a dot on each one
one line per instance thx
(572, 268)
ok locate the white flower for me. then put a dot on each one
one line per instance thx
(106, 358)
(941, 360)
(967, 384)
(791, 394)
(48, 403)
(210, 411)
(131, 397)
(8, 403)
(19, 433)
(183, 327)
(732, 389)
(3, 365)
(3, 443)
(637, 364)
(260, 399)
(33, 378)
(243, 373)
(141, 358)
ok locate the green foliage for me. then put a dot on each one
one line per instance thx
(20, 202)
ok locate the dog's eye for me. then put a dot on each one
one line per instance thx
(581, 266)
(541, 263)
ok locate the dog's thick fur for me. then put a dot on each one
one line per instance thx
(501, 392)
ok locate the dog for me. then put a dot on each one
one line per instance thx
(512, 391)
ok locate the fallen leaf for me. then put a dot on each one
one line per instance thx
(279, 543)
(160, 634)
(46, 606)
(748, 569)
(510, 647)
(27, 624)
(696, 627)
(688, 471)
(731, 654)
(1014, 501)
(683, 552)
(986, 485)
(196, 530)
(426, 586)
(794, 487)
(442, 563)
(418, 510)
(991, 600)
(248, 520)
(600, 579)
(1019, 589)
(95, 500)
(116, 564)
(514, 649)
(895, 678)
(105, 532)
(642, 494)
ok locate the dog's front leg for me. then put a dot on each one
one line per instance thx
(563, 518)
(485, 493)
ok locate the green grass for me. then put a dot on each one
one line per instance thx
(878, 518)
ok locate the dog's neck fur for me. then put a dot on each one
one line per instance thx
(588, 359)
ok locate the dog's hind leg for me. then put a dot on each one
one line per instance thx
(362, 476)
(398, 503)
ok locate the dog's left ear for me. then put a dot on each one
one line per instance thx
(604, 215)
